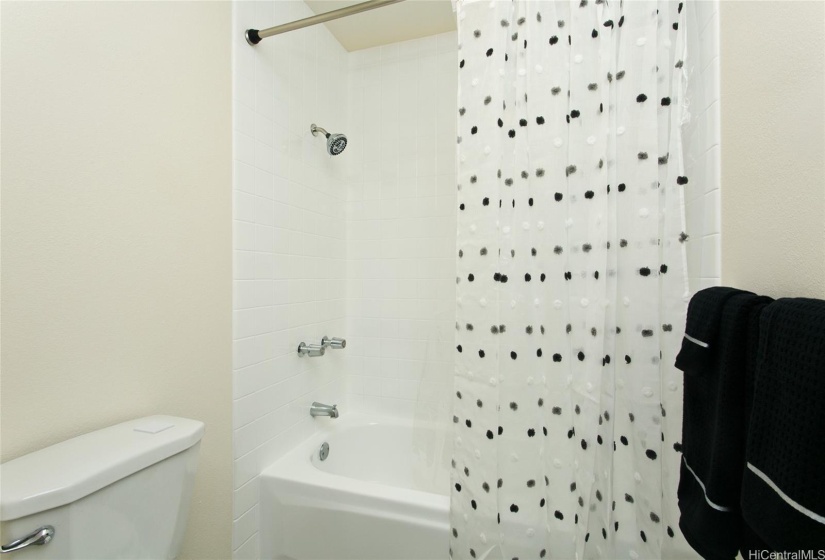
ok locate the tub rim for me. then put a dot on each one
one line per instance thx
(296, 467)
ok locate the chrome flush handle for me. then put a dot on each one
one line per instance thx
(37, 537)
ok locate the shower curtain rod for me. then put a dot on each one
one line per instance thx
(254, 36)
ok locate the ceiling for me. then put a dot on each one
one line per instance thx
(406, 20)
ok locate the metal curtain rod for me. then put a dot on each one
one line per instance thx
(254, 36)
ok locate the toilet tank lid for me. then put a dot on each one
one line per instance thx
(70, 470)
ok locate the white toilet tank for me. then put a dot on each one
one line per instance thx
(120, 492)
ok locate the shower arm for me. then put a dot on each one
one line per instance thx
(254, 36)
(316, 129)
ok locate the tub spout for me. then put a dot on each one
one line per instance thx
(320, 409)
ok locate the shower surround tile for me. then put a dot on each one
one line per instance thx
(360, 246)
(290, 253)
(701, 137)
(401, 219)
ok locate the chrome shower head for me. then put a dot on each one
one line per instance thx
(335, 142)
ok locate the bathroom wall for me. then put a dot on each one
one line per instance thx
(773, 132)
(289, 230)
(701, 137)
(401, 214)
(116, 277)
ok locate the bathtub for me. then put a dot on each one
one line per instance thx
(381, 494)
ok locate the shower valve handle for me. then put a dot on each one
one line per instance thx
(311, 350)
(334, 343)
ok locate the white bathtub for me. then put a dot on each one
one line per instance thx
(381, 494)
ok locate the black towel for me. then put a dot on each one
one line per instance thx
(721, 333)
(702, 326)
(783, 491)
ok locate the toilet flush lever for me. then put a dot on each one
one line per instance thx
(37, 537)
(334, 343)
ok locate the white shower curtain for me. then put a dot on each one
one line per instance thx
(572, 286)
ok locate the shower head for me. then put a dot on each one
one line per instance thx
(335, 142)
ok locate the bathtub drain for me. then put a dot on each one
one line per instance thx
(324, 453)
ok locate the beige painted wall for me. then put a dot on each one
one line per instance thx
(116, 229)
(773, 146)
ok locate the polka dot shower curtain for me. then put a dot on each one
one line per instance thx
(572, 288)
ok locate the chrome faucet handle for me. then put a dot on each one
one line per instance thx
(311, 350)
(334, 343)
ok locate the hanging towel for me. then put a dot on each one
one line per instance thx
(702, 326)
(783, 491)
(716, 356)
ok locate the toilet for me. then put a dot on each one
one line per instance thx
(120, 492)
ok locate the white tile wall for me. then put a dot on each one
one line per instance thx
(361, 245)
(290, 253)
(702, 145)
(401, 220)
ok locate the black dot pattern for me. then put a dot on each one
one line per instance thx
(571, 290)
